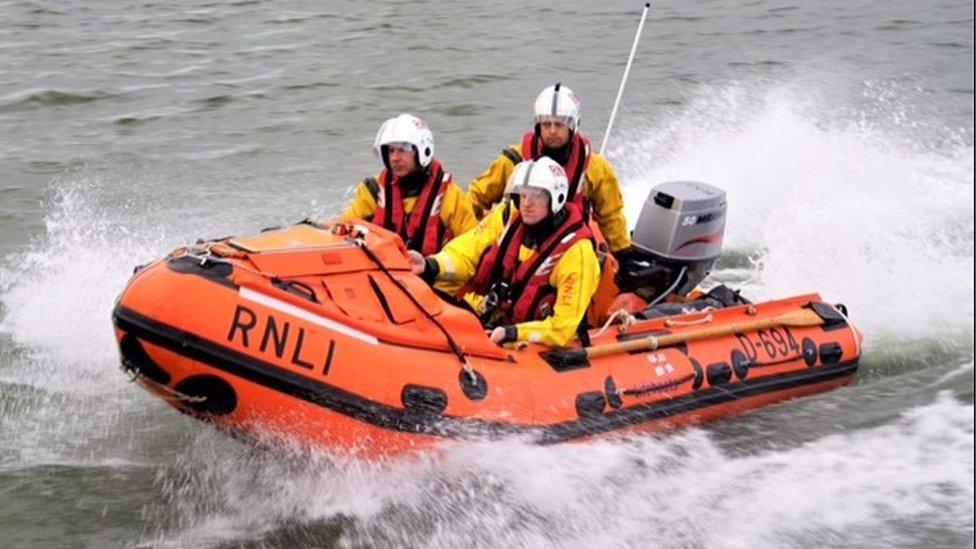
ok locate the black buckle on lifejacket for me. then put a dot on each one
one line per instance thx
(496, 300)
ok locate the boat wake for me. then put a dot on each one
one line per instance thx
(884, 482)
(857, 212)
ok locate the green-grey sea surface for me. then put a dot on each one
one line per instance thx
(842, 132)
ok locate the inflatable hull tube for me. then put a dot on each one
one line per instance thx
(301, 334)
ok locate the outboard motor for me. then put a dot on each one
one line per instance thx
(679, 236)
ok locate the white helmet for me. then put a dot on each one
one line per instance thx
(544, 173)
(406, 128)
(560, 104)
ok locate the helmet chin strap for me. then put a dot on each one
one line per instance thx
(414, 181)
(561, 154)
(538, 232)
(385, 154)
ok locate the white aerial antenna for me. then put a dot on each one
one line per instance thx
(623, 81)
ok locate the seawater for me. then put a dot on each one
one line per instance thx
(842, 132)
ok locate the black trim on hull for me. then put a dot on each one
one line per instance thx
(414, 421)
(217, 272)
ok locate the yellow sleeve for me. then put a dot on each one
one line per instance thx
(488, 188)
(603, 191)
(575, 278)
(456, 213)
(363, 205)
(459, 258)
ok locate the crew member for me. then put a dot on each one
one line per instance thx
(412, 195)
(593, 185)
(529, 268)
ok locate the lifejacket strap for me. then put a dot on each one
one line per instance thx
(373, 186)
(512, 155)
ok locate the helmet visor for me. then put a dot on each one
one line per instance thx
(401, 146)
(532, 194)
(564, 120)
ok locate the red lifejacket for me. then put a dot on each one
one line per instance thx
(422, 229)
(576, 164)
(529, 281)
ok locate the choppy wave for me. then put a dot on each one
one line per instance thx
(57, 295)
(37, 99)
(900, 482)
(840, 206)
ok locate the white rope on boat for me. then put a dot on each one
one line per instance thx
(704, 320)
(626, 321)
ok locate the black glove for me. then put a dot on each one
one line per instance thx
(431, 270)
(636, 271)
(629, 266)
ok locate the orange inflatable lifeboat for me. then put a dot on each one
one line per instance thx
(323, 335)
